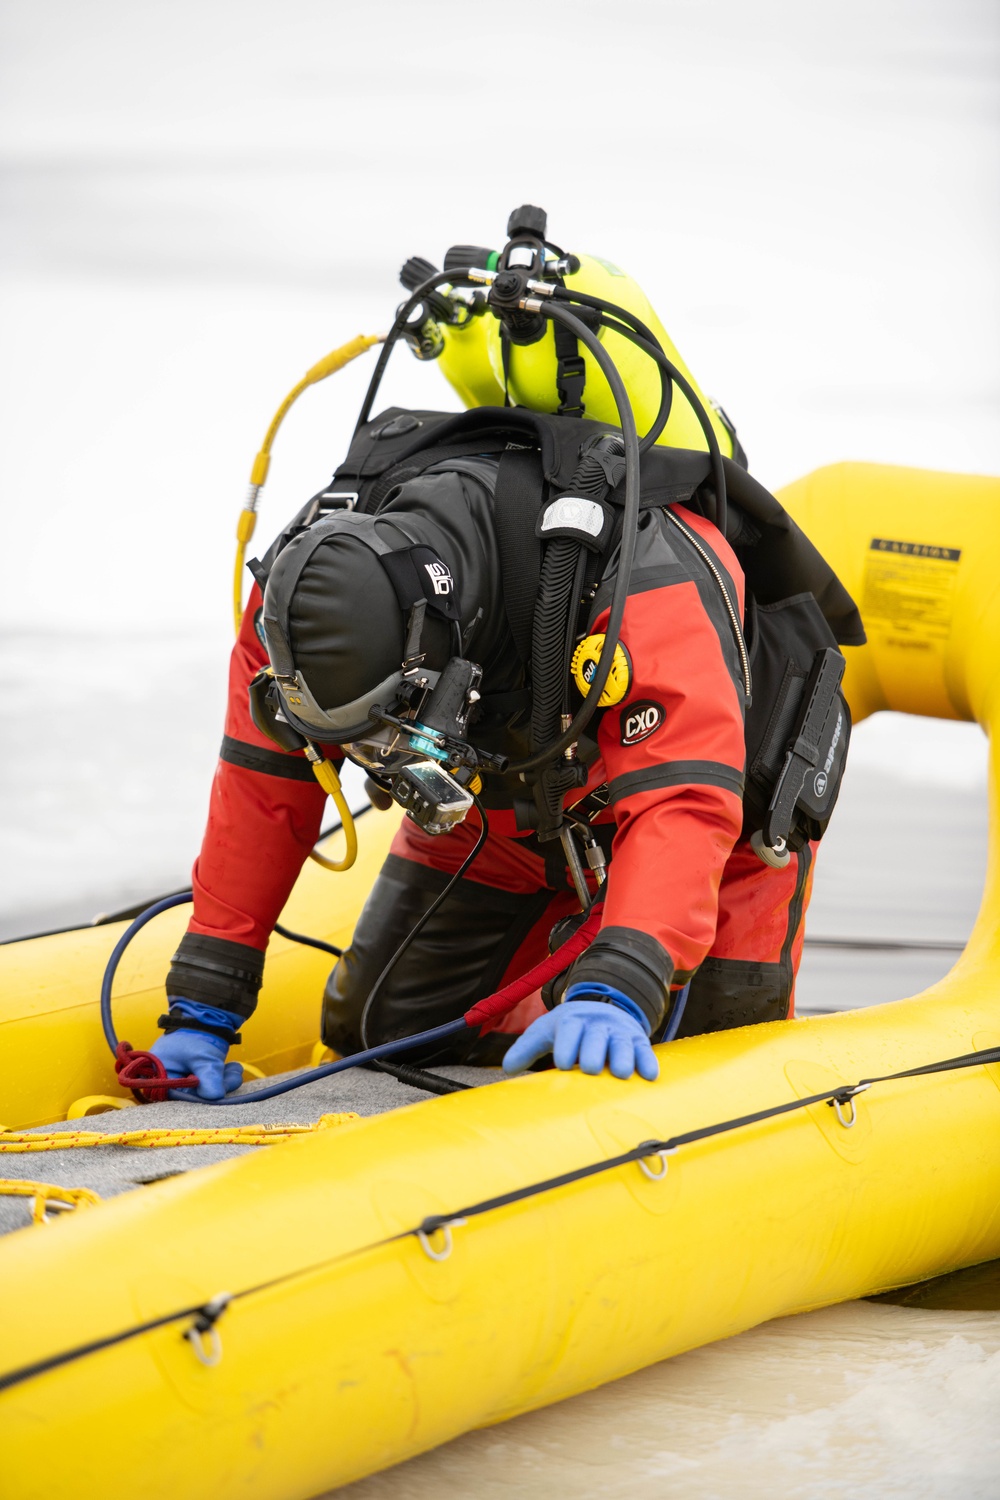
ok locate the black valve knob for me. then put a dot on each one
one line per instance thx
(415, 271)
(527, 220)
(478, 256)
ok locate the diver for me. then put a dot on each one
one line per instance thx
(535, 632)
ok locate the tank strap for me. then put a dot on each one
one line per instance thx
(571, 373)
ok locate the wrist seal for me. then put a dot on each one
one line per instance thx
(217, 972)
(176, 1021)
(631, 961)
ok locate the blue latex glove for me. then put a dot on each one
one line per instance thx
(592, 1033)
(182, 1052)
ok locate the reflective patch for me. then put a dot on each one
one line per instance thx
(574, 513)
(640, 720)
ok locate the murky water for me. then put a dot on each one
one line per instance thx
(865, 1400)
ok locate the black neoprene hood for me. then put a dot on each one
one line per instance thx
(345, 624)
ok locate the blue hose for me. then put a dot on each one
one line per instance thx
(119, 949)
(386, 1049)
(357, 1059)
(677, 1015)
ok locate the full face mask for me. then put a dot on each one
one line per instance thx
(409, 729)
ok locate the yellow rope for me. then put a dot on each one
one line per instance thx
(234, 1135)
(46, 1192)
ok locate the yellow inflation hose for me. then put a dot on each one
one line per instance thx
(336, 360)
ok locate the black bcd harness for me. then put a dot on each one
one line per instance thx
(798, 614)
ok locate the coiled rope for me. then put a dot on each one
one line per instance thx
(45, 1195)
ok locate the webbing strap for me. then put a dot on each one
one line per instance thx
(516, 503)
(647, 1149)
(206, 1314)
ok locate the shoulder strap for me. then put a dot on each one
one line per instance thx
(517, 500)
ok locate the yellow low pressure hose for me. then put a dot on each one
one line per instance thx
(325, 773)
(332, 362)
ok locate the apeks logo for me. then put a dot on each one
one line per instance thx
(640, 720)
(441, 580)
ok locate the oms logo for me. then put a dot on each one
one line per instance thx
(441, 580)
(640, 720)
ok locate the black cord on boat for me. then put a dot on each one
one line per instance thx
(434, 1222)
(420, 1078)
(419, 925)
(309, 942)
(841, 1095)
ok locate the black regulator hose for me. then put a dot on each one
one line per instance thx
(553, 605)
(598, 304)
(440, 278)
(630, 524)
(644, 338)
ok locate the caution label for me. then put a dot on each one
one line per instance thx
(908, 590)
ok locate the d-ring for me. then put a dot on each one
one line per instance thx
(445, 1229)
(661, 1157)
(839, 1111)
(209, 1354)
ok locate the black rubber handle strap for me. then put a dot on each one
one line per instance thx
(821, 695)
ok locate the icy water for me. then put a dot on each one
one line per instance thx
(200, 199)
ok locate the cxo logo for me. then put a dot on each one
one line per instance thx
(441, 580)
(639, 721)
(820, 782)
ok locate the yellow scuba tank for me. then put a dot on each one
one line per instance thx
(465, 362)
(472, 362)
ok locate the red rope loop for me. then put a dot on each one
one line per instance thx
(487, 1012)
(145, 1075)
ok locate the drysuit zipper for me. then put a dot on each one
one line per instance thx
(734, 618)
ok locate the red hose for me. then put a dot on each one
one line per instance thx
(487, 1012)
(145, 1075)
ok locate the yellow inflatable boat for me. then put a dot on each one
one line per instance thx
(287, 1321)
